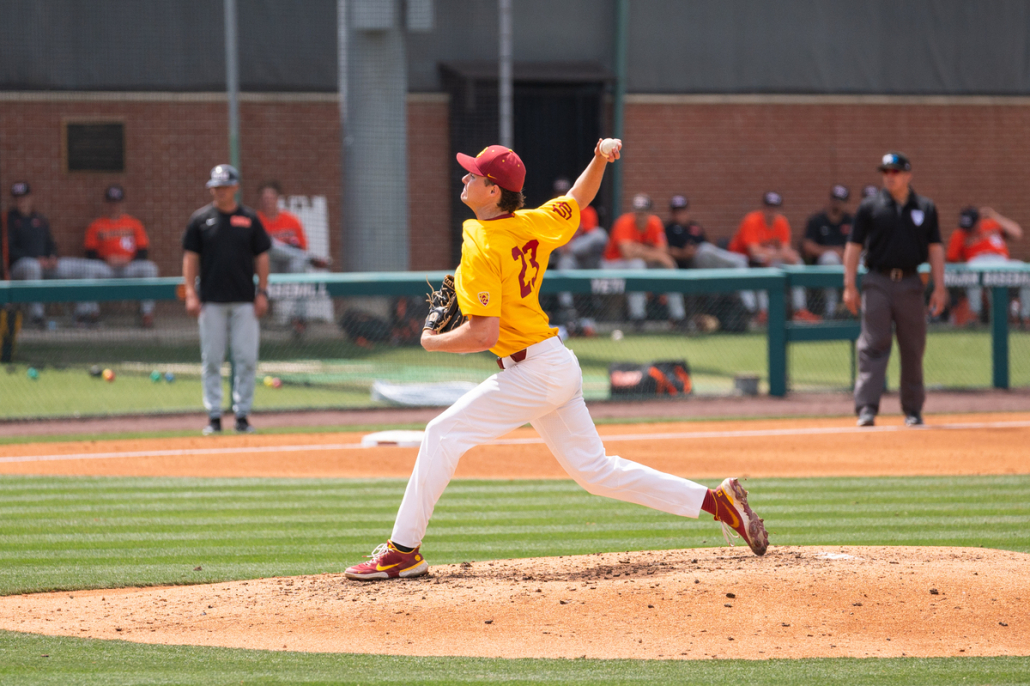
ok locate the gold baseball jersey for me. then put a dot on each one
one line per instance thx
(503, 262)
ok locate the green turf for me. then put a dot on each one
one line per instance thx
(38, 661)
(334, 374)
(73, 532)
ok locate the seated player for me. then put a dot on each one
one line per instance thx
(289, 253)
(982, 238)
(690, 247)
(119, 242)
(825, 236)
(764, 238)
(584, 251)
(638, 242)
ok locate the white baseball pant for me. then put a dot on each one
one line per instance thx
(545, 389)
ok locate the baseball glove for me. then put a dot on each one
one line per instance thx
(444, 314)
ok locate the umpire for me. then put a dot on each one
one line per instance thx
(898, 230)
(225, 244)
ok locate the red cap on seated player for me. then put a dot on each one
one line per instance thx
(499, 164)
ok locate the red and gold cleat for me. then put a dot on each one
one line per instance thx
(389, 563)
(735, 515)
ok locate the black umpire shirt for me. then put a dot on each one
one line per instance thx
(895, 237)
(682, 235)
(227, 245)
(29, 236)
(821, 231)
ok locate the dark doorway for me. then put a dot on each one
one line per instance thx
(558, 117)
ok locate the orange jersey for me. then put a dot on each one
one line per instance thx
(754, 231)
(986, 239)
(120, 237)
(625, 229)
(285, 228)
(502, 266)
(588, 219)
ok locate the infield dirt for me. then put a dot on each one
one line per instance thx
(687, 604)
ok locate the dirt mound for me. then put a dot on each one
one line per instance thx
(684, 604)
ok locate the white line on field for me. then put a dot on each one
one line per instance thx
(683, 435)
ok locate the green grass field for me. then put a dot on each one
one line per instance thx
(340, 375)
(74, 533)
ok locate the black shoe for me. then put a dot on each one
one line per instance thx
(867, 416)
(914, 419)
(213, 427)
(243, 426)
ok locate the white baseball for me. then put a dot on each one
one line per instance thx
(609, 145)
(617, 335)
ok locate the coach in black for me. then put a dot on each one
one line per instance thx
(898, 230)
(226, 245)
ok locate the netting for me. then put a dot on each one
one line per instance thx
(357, 122)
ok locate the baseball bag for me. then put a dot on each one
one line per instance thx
(632, 379)
(444, 313)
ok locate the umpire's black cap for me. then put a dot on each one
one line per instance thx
(895, 160)
(224, 175)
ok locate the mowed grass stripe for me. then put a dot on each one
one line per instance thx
(45, 660)
(89, 532)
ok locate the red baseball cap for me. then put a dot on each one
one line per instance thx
(499, 164)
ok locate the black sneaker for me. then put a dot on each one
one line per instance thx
(243, 426)
(213, 427)
(914, 419)
(867, 416)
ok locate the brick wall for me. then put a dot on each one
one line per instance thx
(723, 153)
(173, 141)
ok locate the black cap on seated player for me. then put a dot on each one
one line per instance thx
(21, 188)
(679, 202)
(114, 193)
(772, 199)
(840, 192)
(968, 218)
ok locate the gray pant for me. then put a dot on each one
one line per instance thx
(885, 302)
(286, 259)
(235, 324)
(828, 259)
(975, 293)
(711, 256)
(637, 302)
(29, 269)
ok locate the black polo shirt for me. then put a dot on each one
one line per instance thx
(28, 236)
(821, 231)
(895, 237)
(682, 235)
(227, 245)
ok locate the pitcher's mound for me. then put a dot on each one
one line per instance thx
(683, 604)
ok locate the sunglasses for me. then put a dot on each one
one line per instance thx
(891, 172)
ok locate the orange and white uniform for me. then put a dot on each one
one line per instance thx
(285, 228)
(503, 262)
(121, 237)
(984, 244)
(754, 230)
(986, 238)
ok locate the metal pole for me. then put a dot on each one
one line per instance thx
(232, 82)
(999, 335)
(505, 89)
(621, 42)
(342, 45)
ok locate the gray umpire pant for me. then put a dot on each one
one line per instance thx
(901, 303)
(234, 324)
